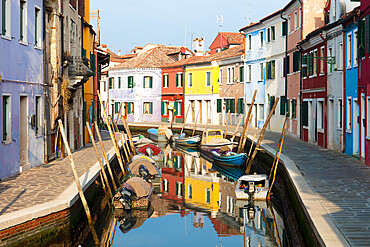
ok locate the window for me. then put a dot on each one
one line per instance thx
(38, 116)
(178, 108)
(164, 108)
(299, 17)
(105, 86)
(249, 73)
(219, 105)
(179, 80)
(284, 28)
(148, 108)
(320, 114)
(355, 41)
(294, 107)
(241, 72)
(230, 105)
(349, 50)
(330, 66)
(270, 69)
(305, 67)
(130, 82)
(119, 82)
(116, 107)
(37, 27)
(268, 35)
(208, 79)
(368, 117)
(340, 57)
(111, 83)
(296, 61)
(340, 113)
(283, 102)
(130, 107)
(190, 191)
(148, 82)
(261, 111)
(289, 24)
(165, 185)
(22, 21)
(220, 200)
(7, 130)
(261, 71)
(249, 42)
(314, 62)
(220, 76)
(5, 17)
(322, 63)
(261, 39)
(165, 81)
(349, 114)
(272, 32)
(310, 64)
(272, 102)
(230, 75)
(190, 79)
(208, 195)
(286, 64)
(178, 189)
(240, 106)
(305, 113)
(295, 20)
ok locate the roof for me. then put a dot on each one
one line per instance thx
(261, 21)
(233, 38)
(231, 52)
(151, 58)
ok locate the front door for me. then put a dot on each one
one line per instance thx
(355, 127)
(331, 124)
(23, 130)
(362, 124)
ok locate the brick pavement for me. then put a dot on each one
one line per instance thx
(340, 183)
(44, 183)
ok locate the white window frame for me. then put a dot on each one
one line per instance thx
(180, 82)
(166, 81)
(320, 115)
(329, 65)
(349, 105)
(150, 102)
(261, 107)
(220, 76)
(208, 189)
(8, 19)
(340, 56)
(340, 114)
(23, 40)
(190, 80)
(8, 138)
(355, 40)
(249, 73)
(262, 41)
(288, 26)
(268, 38)
(132, 108)
(208, 74)
(349, 50)
(261, 74)
(299, 17)
(165, 110)
(242, 67)
(314, 63)
(38, 18)
(249, 42)
(322, 63)
(39, 117)
(295, 20)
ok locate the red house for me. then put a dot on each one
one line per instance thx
(364, 81)
(173, 178)
(314, 88)
(225, 41)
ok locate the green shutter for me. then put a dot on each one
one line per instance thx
(3, 15)
(151, 107)
(163, 80)
(128, 107)
(241, 76)
(162, 108)
(21, 21)
(116, 105)
(176, 108)
(240, 105)
(151, 82)
(232, 105)
(282, 105)
(268, 70)
(219, 102)
(84, 52)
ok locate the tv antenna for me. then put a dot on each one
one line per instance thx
(248, 13)
(95, 14)
(220, 21)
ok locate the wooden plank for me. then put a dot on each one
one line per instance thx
(227, 124)
(195, 125)
(250, 159)
(105, 156)
(237, 127)
(79, 188)
(99, 160)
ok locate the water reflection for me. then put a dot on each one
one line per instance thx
(197, 206)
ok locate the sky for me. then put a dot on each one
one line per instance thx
(125, 24)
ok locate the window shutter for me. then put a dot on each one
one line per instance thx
(272, 102)
(151, 107)
(219, 102)
(3, 17)
(132, 107)
(268, 69)
(305, 113)
(368, 34)
(151, 82)
(162, 108)
(163, 80)
(282, 105)
(179, 108)
(232, 106)
(144, 82)
(304, 69)
(273, 69)
(176, 108)
(284, 28)
(361, 39)
(128, 108)
(182, 80)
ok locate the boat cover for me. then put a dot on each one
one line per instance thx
(135, 164)
(141, 187)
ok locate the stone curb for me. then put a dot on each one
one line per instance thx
(62, 202)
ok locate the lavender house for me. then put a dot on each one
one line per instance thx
(137, 83)
(21, 86)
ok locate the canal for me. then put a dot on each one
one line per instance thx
(195, 205)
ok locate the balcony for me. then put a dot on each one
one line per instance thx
(78, 70)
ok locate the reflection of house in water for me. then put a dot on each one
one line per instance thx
(172, 173)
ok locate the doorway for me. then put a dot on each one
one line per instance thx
(331, 124)
(362, 124)
(200, 112)
(355, 127)
(23, 130)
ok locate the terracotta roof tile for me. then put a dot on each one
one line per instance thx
(233, 38)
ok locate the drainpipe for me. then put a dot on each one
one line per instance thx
(46, 95)
(286, 55)
(300, 79)
(344, 100)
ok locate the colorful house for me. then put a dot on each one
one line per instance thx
(137, 83)
(226, 40)
(351, 99)
(364, 83)
(300, 18)
(21, 86)
(255, 44)
(173, 75)
(173, 179)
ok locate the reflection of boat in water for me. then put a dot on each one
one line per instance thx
(132, 219)
(232, 173)
(230, 158)
(190, 141)
(191, 151)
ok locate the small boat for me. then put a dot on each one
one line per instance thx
(147, 170)
(139, 156)
(213, 141)
(155, 136)
(190, 141)
(192, 151)
(252, 187)
(149, 149)
(134, 193)
(230, 158)
(143, 141)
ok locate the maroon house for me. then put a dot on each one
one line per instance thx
(225, 40)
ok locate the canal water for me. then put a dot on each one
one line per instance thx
(196, 206)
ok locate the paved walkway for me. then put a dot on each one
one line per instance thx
(338, 197)
(47, 182)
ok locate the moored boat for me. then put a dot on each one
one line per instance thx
(149, 149)
(252, 187)
(230, 158)
(155, 136)
(190, 141)
(213, 141)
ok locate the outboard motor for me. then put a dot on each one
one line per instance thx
(149, 151)
(127, 197)
(144, 172)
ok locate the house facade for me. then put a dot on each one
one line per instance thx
(226, 40)
(21, 86)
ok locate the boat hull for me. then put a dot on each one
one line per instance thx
(157, 138)
(188, 141)
(235, 160)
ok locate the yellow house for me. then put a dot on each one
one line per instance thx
(88, 51)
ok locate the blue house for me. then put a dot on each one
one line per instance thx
(255, 71)
(21, 86)
(350, 101)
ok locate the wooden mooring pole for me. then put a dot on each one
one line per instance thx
(227, 124)
(186, 116)
(99, 160)
(251, 158)
(128, 131)
(79, 188)
(237, 127)
(195, 125)
(242, 142)
(105, 157)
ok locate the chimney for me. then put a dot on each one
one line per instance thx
(119, 53)
(198, 46)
